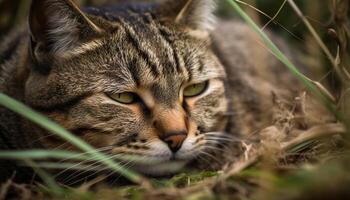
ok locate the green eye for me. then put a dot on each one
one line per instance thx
(125, 97)
(195, 89)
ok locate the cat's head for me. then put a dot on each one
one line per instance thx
(139, 80)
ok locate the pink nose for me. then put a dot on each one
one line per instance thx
(174, 141)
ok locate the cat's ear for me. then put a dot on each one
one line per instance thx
(195, 14)
(57, 26)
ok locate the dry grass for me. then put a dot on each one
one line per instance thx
(303, 154)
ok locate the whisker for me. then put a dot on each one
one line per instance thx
(199, 144)
(207, 144)
(213, 148)
(222, 134)
(61, 145)
(42, 137)
(220, 139)
(210, 156)
(82, 162)
(88, 152)
(128, 165)
(93, 167)
(67, 181)
(74, 175)
(210, 164)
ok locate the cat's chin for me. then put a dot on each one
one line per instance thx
(165, 168)
(163, 162)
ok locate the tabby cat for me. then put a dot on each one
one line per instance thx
(164, 80)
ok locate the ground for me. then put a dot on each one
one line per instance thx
(303, 154)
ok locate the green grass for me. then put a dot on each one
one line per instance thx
(56, 129)
(255, 178)
(320, 92)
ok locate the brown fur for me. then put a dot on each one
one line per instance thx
(77, 60)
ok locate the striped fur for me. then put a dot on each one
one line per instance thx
(144, 50)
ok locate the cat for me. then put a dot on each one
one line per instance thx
(165, 81)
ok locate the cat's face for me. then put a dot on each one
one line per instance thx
(148, 87)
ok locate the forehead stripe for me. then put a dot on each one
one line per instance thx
(176, 57)
(134, 71)
(146, 54)
(85, 47)
(163, 34)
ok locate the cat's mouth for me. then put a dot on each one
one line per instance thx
(160, 169)
(162, 161)
(160, 166)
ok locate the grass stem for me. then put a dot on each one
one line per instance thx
(53, 127)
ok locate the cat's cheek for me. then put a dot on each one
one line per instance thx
(97, 139)
(189, 149)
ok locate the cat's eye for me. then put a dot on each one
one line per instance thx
(124, 98)
(195, 89)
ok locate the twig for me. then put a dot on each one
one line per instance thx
(274, 17)
(269, 17)
(55, 188)
(319, 41)
(314, 133)
(324, 98)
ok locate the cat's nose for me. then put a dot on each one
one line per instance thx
(174, 140)
(171, 127)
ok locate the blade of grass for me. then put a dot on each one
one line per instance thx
(302, 146)
(317, 132)
(270, 18)
(64, 155)
(50, 182)
(319, 41)
(276, 52)
(275, 16)
(71, 166)
(69, 155)
(42, 154)
(53, 127)
(314, 89)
